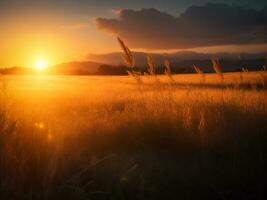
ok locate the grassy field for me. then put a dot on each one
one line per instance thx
(71, 137)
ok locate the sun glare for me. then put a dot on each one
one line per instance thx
(41, 64)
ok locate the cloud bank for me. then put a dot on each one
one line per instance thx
(199, 26)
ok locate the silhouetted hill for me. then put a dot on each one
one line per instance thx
(17, 70)
(76, 67)
(229, 64)
(70, 68)
(178, 57)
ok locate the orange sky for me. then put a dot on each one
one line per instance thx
(22, 46)
(23, 43)
(66, 32)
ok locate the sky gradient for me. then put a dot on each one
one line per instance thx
(62, 31)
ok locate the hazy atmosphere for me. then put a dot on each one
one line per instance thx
(133, 100)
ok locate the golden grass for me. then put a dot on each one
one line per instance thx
(129, 61)
(53, 95)
(217, 67)
(152, 69)
(76, 136)
(127, 54)
(168, 70)
(200, 72)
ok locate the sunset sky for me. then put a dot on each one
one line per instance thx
(62, 31)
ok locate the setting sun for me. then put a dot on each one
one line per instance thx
(41, 64)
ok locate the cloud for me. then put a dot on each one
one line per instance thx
(199, 26)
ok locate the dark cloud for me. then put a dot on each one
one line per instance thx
(199, 26)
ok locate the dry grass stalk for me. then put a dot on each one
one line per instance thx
(152, 68)
(130, 73)
(244, 70)
(135, 75)
(168, 71)
(217, 67)
(130, 61)
(200, 72)
(127, 56)
(151, 65)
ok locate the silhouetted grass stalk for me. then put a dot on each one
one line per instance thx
(130, 61)
(168, 70)
(200, 72)
(217, 68)
(152, 67)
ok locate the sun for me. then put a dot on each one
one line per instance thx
(41, 64)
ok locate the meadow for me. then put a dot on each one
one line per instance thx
(110, 137)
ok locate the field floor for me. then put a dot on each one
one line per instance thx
(108, 137)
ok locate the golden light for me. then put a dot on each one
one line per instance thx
(39, 125)
(41, 64)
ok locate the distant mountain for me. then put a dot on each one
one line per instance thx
(17, 70)
(181, 62)
(228, 65)
(140, 57)
(76, 67)
(70, 68)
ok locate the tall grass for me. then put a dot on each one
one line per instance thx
(152, 69)
(151, 66)
(217, 67)
(128, 58)
(101, 138)
(168, 70)
(200, 72)
(244, 70)
(115, 143)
